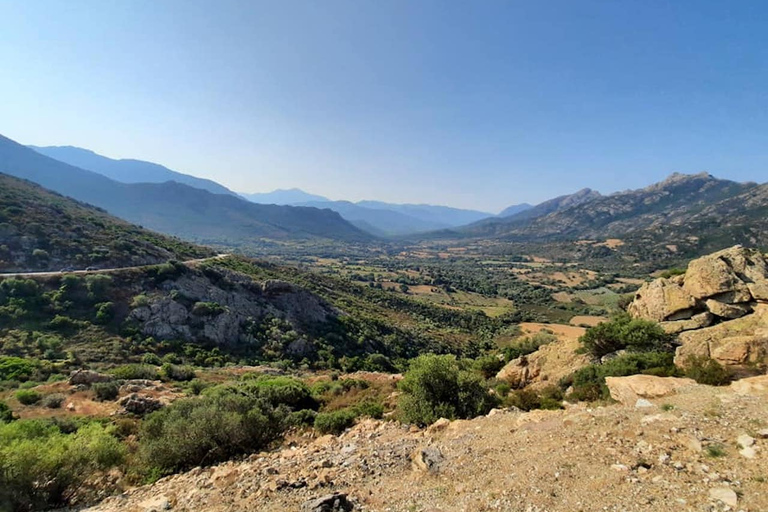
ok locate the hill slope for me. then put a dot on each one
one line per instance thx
(42, 230)
(175, 208)
(699, 212)
(290, 196)
(126, 170)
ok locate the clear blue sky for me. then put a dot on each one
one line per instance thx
(474, 104)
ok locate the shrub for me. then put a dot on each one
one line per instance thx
(28, 396)
(302, 418)
(286, 391)
(589, 382)
(550, 397)
(140, 301)
(335, 422)
(43, 467)
(528, 345)
(707, 371)
(198, 431)
(53, 401)
(6, 415)
(105, 391)
(196, 386)
(369, 407)
(104, 312)
(207, 309)
(436, 386)
(16, 368)
(178, 373)
(624, 332)
(134, 371)
(150, 358)
(488, 366)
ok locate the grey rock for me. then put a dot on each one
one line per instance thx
(336, 502)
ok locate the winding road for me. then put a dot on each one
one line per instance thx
(47, 273)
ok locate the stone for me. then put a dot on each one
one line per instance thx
(725, 271)
(438, 426)
(751, 385)
(428, 459)
(140, 404)
(88, 377)
(642, 403)
(698, 321)
(729, 311)
(745, 440)
(748, 452)
(628, 390)
(758, 291)
(156, 504)
(661, 299)
(725, 495)
(763, 433)
(336, 502)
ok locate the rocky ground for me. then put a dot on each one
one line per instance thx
(698, 449)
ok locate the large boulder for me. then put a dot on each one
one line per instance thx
(729, 270)
(627, 390)
(740, 344)
(698, 321)
(88, 377)
(661, 300)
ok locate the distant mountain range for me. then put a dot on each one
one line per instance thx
(697, 213)
(126, 171)
(377, 217)
(175, 208)
(514, 209)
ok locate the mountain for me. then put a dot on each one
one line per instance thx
(377, 217)
(292, 196)
(378, 221)
(444, 216)
(514, 209)
(501, 224)
(685, 214)
(126, 171)
(43, 230)
(175, 208)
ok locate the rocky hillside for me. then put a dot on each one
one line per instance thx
(684, 213)
(41, 230)
(229, 309)
(719, 308)
(670, 446)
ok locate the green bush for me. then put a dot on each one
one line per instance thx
(335, 422)
(528, 345)
(707, 371)
(488, 366)
(105, 391)
(28, 396)
(589, 382)
(151, 359)
(53, 401)
(135, 371)
(105, 311)
(436, 386)
(369, 407)
(302, 418)
(550, 397)
(205, 430)
(207, 309)
(171, 372)
(16, 368)
(624, 332)
(6, 414)
(43, 467)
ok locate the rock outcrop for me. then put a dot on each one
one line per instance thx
(628, 390)
(719, 308)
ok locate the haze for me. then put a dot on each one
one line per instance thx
(477, 105)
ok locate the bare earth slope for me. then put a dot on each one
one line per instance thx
(616, 458)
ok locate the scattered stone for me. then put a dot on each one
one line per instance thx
(745, 440)
(762, 434)
(337, 502)
(88, 377)
(157, 504)
(642, 403)
(725, 495)
(748, 452)
(140, 404)
(439, 425)
(428, 459)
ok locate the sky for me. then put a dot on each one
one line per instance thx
(470, 104)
